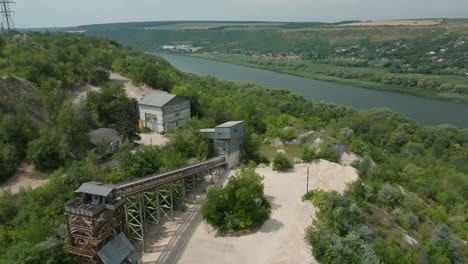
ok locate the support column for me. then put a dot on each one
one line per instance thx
(135, 219)
(151, 206)
(172, 202)
(165, 194)
(182, 187)
(194, 186)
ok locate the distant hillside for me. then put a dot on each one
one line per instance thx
(426, 57)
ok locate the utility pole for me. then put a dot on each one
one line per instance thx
(307, 186)
(7, 19)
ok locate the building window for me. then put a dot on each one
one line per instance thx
(151, 118)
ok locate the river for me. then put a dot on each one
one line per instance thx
(424, 110)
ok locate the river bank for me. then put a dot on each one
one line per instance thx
(243, 61)
(424, 110)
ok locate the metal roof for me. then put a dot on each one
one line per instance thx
(116, 250)
(230, 124)
(103, 134)
(157, 99)
(207, 130)
(96, 188)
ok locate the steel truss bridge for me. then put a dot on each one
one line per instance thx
(150, 199)
(145, 201)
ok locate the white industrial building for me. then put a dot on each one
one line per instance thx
(163, 111)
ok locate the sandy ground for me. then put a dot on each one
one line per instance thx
(345, 156)
(424, 22)
(152, 139)
(279, 240)
(131, 90)
(24, 177)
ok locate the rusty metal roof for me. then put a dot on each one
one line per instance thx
(116, 250)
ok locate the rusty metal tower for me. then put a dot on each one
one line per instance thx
(7, 20)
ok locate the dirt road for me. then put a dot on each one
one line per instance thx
(136, 92)
(24, 177)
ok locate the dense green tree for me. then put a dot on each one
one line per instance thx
(63, 139)
(112, 106)
(8, 160)
(239, 205)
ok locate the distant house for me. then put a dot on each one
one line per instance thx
(163, 111)
(107, 136)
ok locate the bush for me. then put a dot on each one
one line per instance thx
(328, 152)
(389, 195)
(308, 154)
(288, 134)
(281, 162)
(8, 160)
(317, 197)
(239, 205)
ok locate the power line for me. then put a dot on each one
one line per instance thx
(7, 19)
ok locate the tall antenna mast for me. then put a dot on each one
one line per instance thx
(7, 19)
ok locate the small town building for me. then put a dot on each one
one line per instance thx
(105, 137)
(163, 111)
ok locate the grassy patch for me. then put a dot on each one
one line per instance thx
(291, 150)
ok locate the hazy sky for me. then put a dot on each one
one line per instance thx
(48, 13)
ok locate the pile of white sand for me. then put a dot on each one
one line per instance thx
(281, 238)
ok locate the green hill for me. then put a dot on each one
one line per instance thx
(426, 59)
(413, 181)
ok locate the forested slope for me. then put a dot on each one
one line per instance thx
(417, 187)
(423, 60)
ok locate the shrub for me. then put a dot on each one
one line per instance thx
(308, 154)
(8, 160)
(328, 152)
(288, 134)
(318, 197)
(389, 195)
(281, 162)
(239, 205)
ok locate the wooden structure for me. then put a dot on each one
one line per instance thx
(93, 218)
(102, 211)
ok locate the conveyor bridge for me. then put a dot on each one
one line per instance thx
(102, 211)
(151, 182)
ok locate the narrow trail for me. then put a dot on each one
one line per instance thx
(132, 91)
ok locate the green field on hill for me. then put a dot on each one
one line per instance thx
(423, 60)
